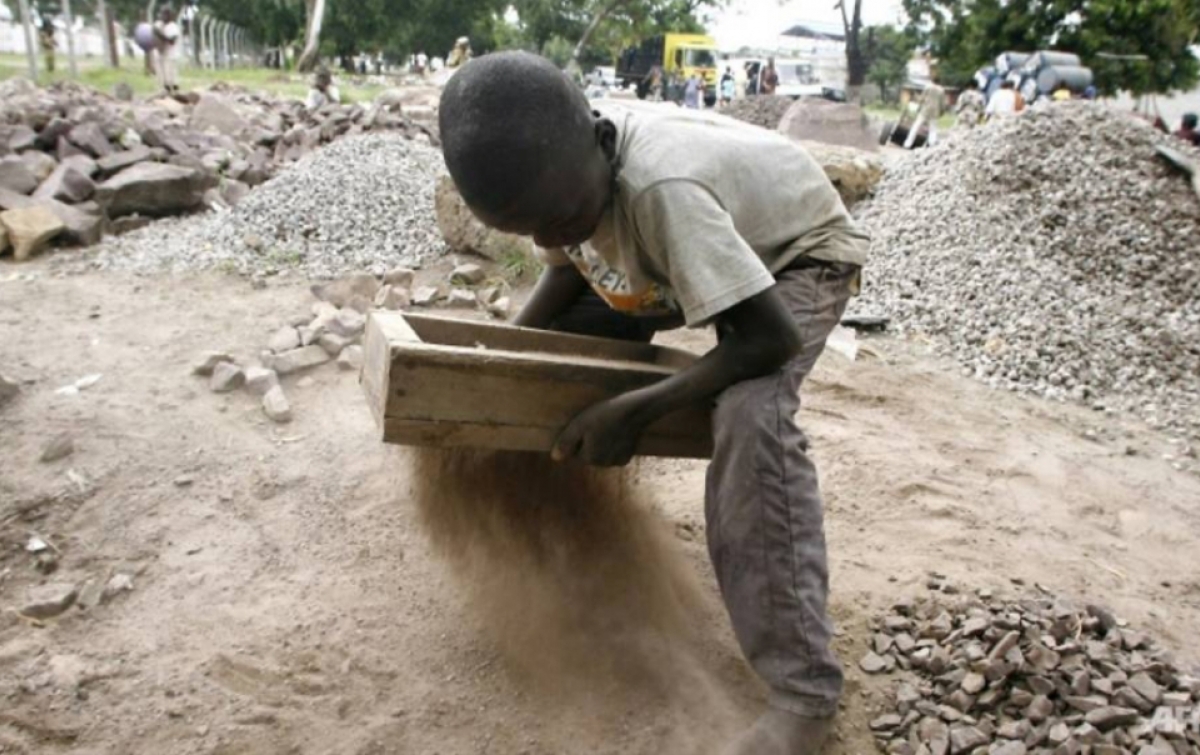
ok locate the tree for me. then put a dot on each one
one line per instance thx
(965, 35)
(887, 53)
(856, 63)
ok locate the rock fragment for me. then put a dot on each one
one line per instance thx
(259, 380)
(49, 600)
(275, 405)
(58, 447)
(296, 360)
(205, 365)
(226, 377)
(351, 358)
(30, 229)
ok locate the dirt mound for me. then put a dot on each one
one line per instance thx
(837, 123)
(761, 110)
(1052, 254)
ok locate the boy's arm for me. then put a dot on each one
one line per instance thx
(757, 337)
(559, 287)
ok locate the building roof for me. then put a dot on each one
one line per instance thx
(814, 31)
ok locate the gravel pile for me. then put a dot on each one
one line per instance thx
(761, 110)
(1027, 676)
(362, 203)
(1052, 254)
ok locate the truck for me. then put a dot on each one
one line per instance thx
(686, 54)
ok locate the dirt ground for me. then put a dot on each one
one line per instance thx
(285, 600)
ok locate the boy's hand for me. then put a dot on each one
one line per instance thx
(603, 435)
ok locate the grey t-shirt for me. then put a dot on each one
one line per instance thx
(707, 210)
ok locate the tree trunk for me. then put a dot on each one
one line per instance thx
(312, 37)
(856, 62)
(30, 40)
(601, 14)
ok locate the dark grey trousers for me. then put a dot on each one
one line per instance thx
(763, 506)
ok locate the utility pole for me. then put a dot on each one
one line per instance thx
(30, 50)
(66, 6)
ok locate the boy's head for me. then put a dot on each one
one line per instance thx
(525, 150)
(1189, 121)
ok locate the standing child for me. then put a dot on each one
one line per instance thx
(166, 35)
(746, 235)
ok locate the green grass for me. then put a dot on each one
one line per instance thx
(892, 113)
(95, 74)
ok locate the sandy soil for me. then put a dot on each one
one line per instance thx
(285, 600)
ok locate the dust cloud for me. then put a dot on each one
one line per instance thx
(569, 570)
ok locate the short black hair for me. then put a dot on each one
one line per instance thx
(1190, 120)
(504, 118)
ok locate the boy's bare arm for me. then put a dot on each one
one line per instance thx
(757, 337)
(557, 289)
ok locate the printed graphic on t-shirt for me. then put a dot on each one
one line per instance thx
(614, 287)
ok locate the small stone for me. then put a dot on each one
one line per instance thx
(1040, 709)
(275, 405)
(348, 323)
(500, 308)
(259, 380)
(58, 447)
(351, 358)
(975, 626)
(9, 388)
(1110, 717)
(49, 600)
(30, 229)
(401, 277)
(973, 683)
(872, 663)
(487, 295)
(226, 377)
(393, 297)
(904, 642)
(882, 643)
(297, 359)
(284, 339)
(467, 275)
(886, 722)
(117, 584)
(333, 343)
(1129, 698)
(184, 481)
(960, 700)
(1087, 734)
(1059, 733)
(1008, 748)
(423, 296)
(460, 297)
(1146, 687)
(1085, 703)
(1018, 729)
(966, 738)
(207, 363)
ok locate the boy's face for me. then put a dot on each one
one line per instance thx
(564, 205)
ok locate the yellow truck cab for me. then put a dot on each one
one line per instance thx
(685, 54)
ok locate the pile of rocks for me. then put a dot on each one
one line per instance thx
(332, 332)
(763, 110)
(75, 164)
(1051, 254)
(1007, 677)
(364, 203)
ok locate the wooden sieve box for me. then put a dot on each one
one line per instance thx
(437, 381)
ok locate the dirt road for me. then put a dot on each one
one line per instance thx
(285, 601)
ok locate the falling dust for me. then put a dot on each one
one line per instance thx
(575, 578)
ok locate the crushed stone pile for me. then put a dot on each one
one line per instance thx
(361, 204)
(1034, 675)
(761, 110)
(1052, 254)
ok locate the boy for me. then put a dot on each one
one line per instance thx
(166, 35)
(675, 216)
(323, 91)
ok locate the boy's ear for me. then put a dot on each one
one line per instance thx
(606, 137)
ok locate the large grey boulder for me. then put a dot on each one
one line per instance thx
(119, 161)
(854, 172)
(463, 231)
(91, 139)
(215, 112)
(16, 176)
(66, 184)
(154, 189)
(836, 123)
(41, 164)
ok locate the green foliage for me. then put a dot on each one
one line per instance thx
(967, 34)
(887, 51)
(558, 50)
